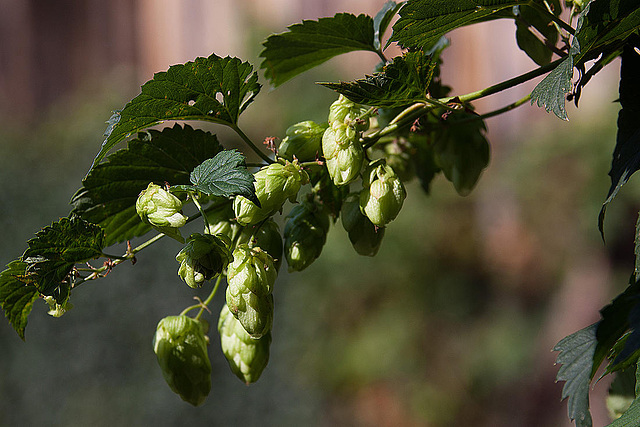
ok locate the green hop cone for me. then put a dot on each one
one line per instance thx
(181, 349)
(382, 195)
(203, 258)
(349, 113)
(247, 356)
(303, 141)
(343, 153)
(275, 184)
(161, 210)
(365, 236)
(266, 236)
(250, 279)
(219, 220)
(305, 235)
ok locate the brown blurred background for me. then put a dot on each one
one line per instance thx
(452, 324)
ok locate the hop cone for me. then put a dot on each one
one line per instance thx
(343, 153)
(304, 235)
(219, 220)
(274, 185)
(247, 356)
(203, 258)
(302, 141)
(383, 194)
(250, 279)
(266, 236)
(161, 210)
(181, 349)
(365, 237)
(349, 113)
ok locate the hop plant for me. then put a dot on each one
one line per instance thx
(247, 356)
(343, 153)
(265, 235)
(181, 348)
(345, 111)
(365, 236)
(382, 195)
(305, 235)
(303, 141)
(250, 279)
(274, 185)
(161, 210)
(219, 221)
(203, 258)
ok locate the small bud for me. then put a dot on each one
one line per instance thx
(56, 309)
(343, 153)
(274, 185)
(365, 237)
(203, 258)
(162, 210)
(305, 235)
(181, 349)
(250, 278)
(382, 195)
(302, 141)
(247, 357)
(266, 236)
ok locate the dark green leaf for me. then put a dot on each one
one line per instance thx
(529, 18)
(606, 23)
(424, 160)
(110, 191)
(224, 175)
(310, 43)
(212, 89)
(551, 91)
(576, 357)
(631, 417)
(57, 247)
(404, 81)
(423, 22)
(626, 155)
(462, 151)
(382, 20)
(17, 295)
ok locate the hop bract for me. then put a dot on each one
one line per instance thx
(162, 210)
(250, 279)
(247, 356)
(274, 184)
(219, 220)
(181, 349)
(305, 235)
(382, 195)
(265, 236)
(348, 112)
(303, 141)
(203, 258)
(343, 153)
(365, 237)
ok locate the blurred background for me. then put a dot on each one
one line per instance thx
(452, 324)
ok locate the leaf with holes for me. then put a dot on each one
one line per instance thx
(17, 295)
(109, 193)
(212, 89)
(224, 175)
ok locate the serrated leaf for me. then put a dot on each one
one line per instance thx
(550, 93)
(462, 151)
(212, 89)
(110, 191)
(382, 20)
(626, 155)
(576, 357)
(310, 43)
(17, 295)
(631, 417)
(423, 22)
(57, 247)
(224, 175)
(404, 81)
